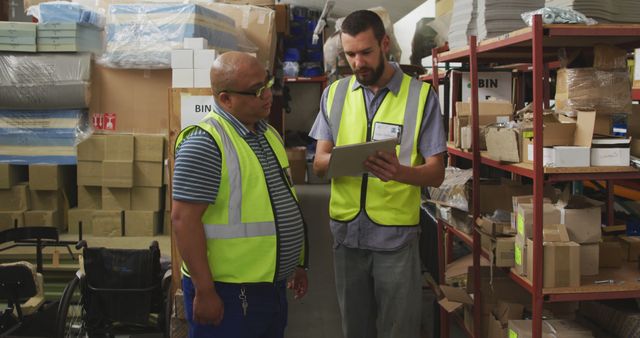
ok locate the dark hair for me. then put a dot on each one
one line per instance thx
(360, 21)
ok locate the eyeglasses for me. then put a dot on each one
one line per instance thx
(258, 93)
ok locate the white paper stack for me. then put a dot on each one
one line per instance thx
(463, 23)
(497, 17)
(17, 36)
(69, 37)
(602, 10)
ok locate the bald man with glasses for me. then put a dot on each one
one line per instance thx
(236, 217)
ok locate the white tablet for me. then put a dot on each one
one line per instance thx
(348, 160)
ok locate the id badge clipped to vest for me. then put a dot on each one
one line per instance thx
(385, 131)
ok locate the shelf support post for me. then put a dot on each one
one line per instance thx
(538, 176)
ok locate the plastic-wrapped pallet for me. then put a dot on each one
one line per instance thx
(44, 81)
(41, 136)
(141, 36)
(67, 12)
(623, 11)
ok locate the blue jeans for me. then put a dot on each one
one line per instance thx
(266, 315)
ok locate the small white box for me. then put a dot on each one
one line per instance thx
(547, 155)
(182, 78)
(610, 157)
(201, 78)
(204, 58)
(195, 43)
(182, 59)
(571, 156)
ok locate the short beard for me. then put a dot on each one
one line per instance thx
(375, 76)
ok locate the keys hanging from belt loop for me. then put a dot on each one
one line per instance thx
(243, 300)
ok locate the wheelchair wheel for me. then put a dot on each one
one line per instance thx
(69, 322)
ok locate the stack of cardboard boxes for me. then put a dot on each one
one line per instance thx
(51, 192)
(120, 185)
(14, 195)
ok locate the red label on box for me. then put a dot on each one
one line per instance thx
(98, 121)
(109, 121)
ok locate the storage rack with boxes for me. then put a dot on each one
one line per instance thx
(536, 45)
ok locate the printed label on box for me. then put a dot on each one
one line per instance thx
(106, 121)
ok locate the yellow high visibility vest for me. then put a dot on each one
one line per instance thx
(386, 203)
(240, 227)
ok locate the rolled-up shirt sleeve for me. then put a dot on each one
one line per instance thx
(321, 130)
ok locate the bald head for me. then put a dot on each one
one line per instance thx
(228, 70)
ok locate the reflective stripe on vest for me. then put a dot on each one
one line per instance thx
(235, 228)
(386, 203)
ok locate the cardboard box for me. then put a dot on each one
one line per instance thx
(453, 298)
(149, 199)
(138, 99)
(90, 173)
(589, 259)
(119, 147)
(486, 108)
(11, 219)
(550, 328)
(466, 121)
(635, 147)
(557, 133)
(607, 92)
(50, 176)
(551, 215)
(503, 312)
(141, 223)
(630, 248)
(92, 149)
(11, 174)
(44, 218)
(149, 148)
(561, 265)
(495, 328)
(571, 157)
(582, 220)
(16, 198)
(116, 198)
(494, 228)
(610, 254)
(148, 174)
(48, 199)
(107, 223)
(282, 18)
(79, 217)
(491, 85)
(602, 157)
(89, 197)
(258, 24)
(503, 249)
(297, 157)
(502, 144)
(117, 174)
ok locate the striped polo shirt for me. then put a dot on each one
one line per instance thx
(196, 178)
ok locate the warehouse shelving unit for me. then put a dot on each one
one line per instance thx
(537, 46)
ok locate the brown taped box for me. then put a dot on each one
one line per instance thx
(51, 176)
(486, 108)
(630, 248)
(118, 147)
(610, 254)
(107, 223)
(77, 216)
(141, 223)
(138, 98)
(282, 18)
(589, 259)
(608, 92)
(524, 221)
(117, 174)
(116, 198)
(16, 198)
(11, 174)
(92, 149)
(11, 219)
(90, 173)
(89, 197)
(149, 148)
(44, 218)
(147, 174)
(143, 198)
(297, 157)
(561, 265)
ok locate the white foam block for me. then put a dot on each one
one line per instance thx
(201, 78)
(182, 59)
(204, 58)
(195, 43)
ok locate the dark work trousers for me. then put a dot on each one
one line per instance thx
(266, 311)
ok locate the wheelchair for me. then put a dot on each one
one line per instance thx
(116, 292)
